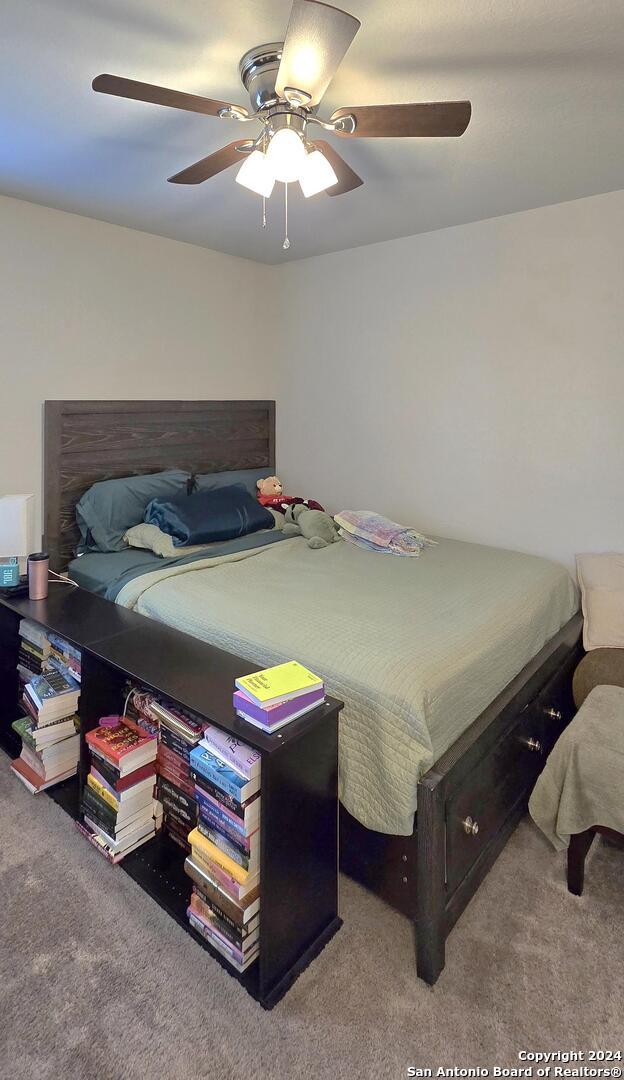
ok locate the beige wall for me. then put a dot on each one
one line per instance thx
(468, 381)
(90, 310)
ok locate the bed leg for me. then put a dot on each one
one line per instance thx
(431, 865)
(580, 844)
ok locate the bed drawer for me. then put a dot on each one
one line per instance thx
(490, 791)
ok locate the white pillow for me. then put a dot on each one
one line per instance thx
(151, 538)
(601, 578)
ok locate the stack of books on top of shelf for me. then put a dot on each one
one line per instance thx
(49, 696)
(224, 863)
(178, 733)
(118, 807)
(274, 697)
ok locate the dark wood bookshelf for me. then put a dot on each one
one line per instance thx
(299, 819)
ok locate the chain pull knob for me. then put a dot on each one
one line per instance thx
(470, 827)
(554, 714)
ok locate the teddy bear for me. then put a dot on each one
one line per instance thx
(318, 527)
(271, 495)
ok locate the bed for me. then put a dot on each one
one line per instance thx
(455, 668)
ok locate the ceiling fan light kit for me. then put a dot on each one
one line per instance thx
(286, 83)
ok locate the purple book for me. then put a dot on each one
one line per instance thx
(276, 715)
(244, 759)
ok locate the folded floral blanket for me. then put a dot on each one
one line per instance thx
(377, 533)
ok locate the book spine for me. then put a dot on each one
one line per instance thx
(224, 880)
(103, 792)
(103, 766)
(207, 912)
(177, 797)
(235, 812)
(98, 807)
(211, 889)
(213, 820)
(209, 934)
(220, 841)
(175, 743)
(242, 757)
(220, 780)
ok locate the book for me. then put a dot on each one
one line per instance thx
(52, 697)
(239, 912)
(125, 845)
(242, 758)
(239, 932)
(122, 802)
(279, 683)
(33, 781)
(242, 940)
(230, 954)
(210, 853)
(272, 717)
(210, 819)
(188, 730)
(248, 860)
(222, 775)
(100, 844)
(112, 775)
(34, 634)
(54, 732)
(245, 944)
(245, 817)
(126, 746)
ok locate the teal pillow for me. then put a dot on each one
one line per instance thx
(247, 477)
(109, 508)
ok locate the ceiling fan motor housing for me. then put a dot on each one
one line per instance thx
(258, 71)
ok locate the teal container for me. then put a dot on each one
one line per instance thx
(9, 573)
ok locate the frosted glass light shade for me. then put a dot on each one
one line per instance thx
(16, 525)
(256, 174)
(317, 38)
(286, 155)
(317, 174)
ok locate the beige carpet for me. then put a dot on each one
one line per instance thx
(98, 983)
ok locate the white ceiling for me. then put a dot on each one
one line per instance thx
(545, 78)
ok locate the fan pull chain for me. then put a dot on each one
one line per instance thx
(286, 243)
(264, 213)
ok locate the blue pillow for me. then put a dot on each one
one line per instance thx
(247, 477)
(109, 508)
(207, 516)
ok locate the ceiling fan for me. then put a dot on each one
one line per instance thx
(286, 83)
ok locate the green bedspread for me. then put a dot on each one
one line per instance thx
(416, 648)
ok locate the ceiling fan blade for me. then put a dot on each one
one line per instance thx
(317, 38)
(159, 95)
(430, 119)
(209, 166)
(347, 178)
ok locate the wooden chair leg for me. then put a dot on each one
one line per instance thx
(580, 844)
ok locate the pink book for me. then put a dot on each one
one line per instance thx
(244, 759)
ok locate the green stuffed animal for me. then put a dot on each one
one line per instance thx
(317, 526)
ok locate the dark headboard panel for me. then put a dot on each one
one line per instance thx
(85, 441)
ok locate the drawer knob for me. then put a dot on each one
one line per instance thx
(533, 744)
(471, 827)
(554, 714)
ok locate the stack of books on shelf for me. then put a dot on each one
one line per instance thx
(49, 695)
(224, 863)
(178, 733)
(118, 807)
(274, 697)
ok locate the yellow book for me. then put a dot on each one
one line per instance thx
(279, 683)
(103, 792)
(212, 853)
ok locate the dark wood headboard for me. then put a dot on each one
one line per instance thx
(85, 441)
